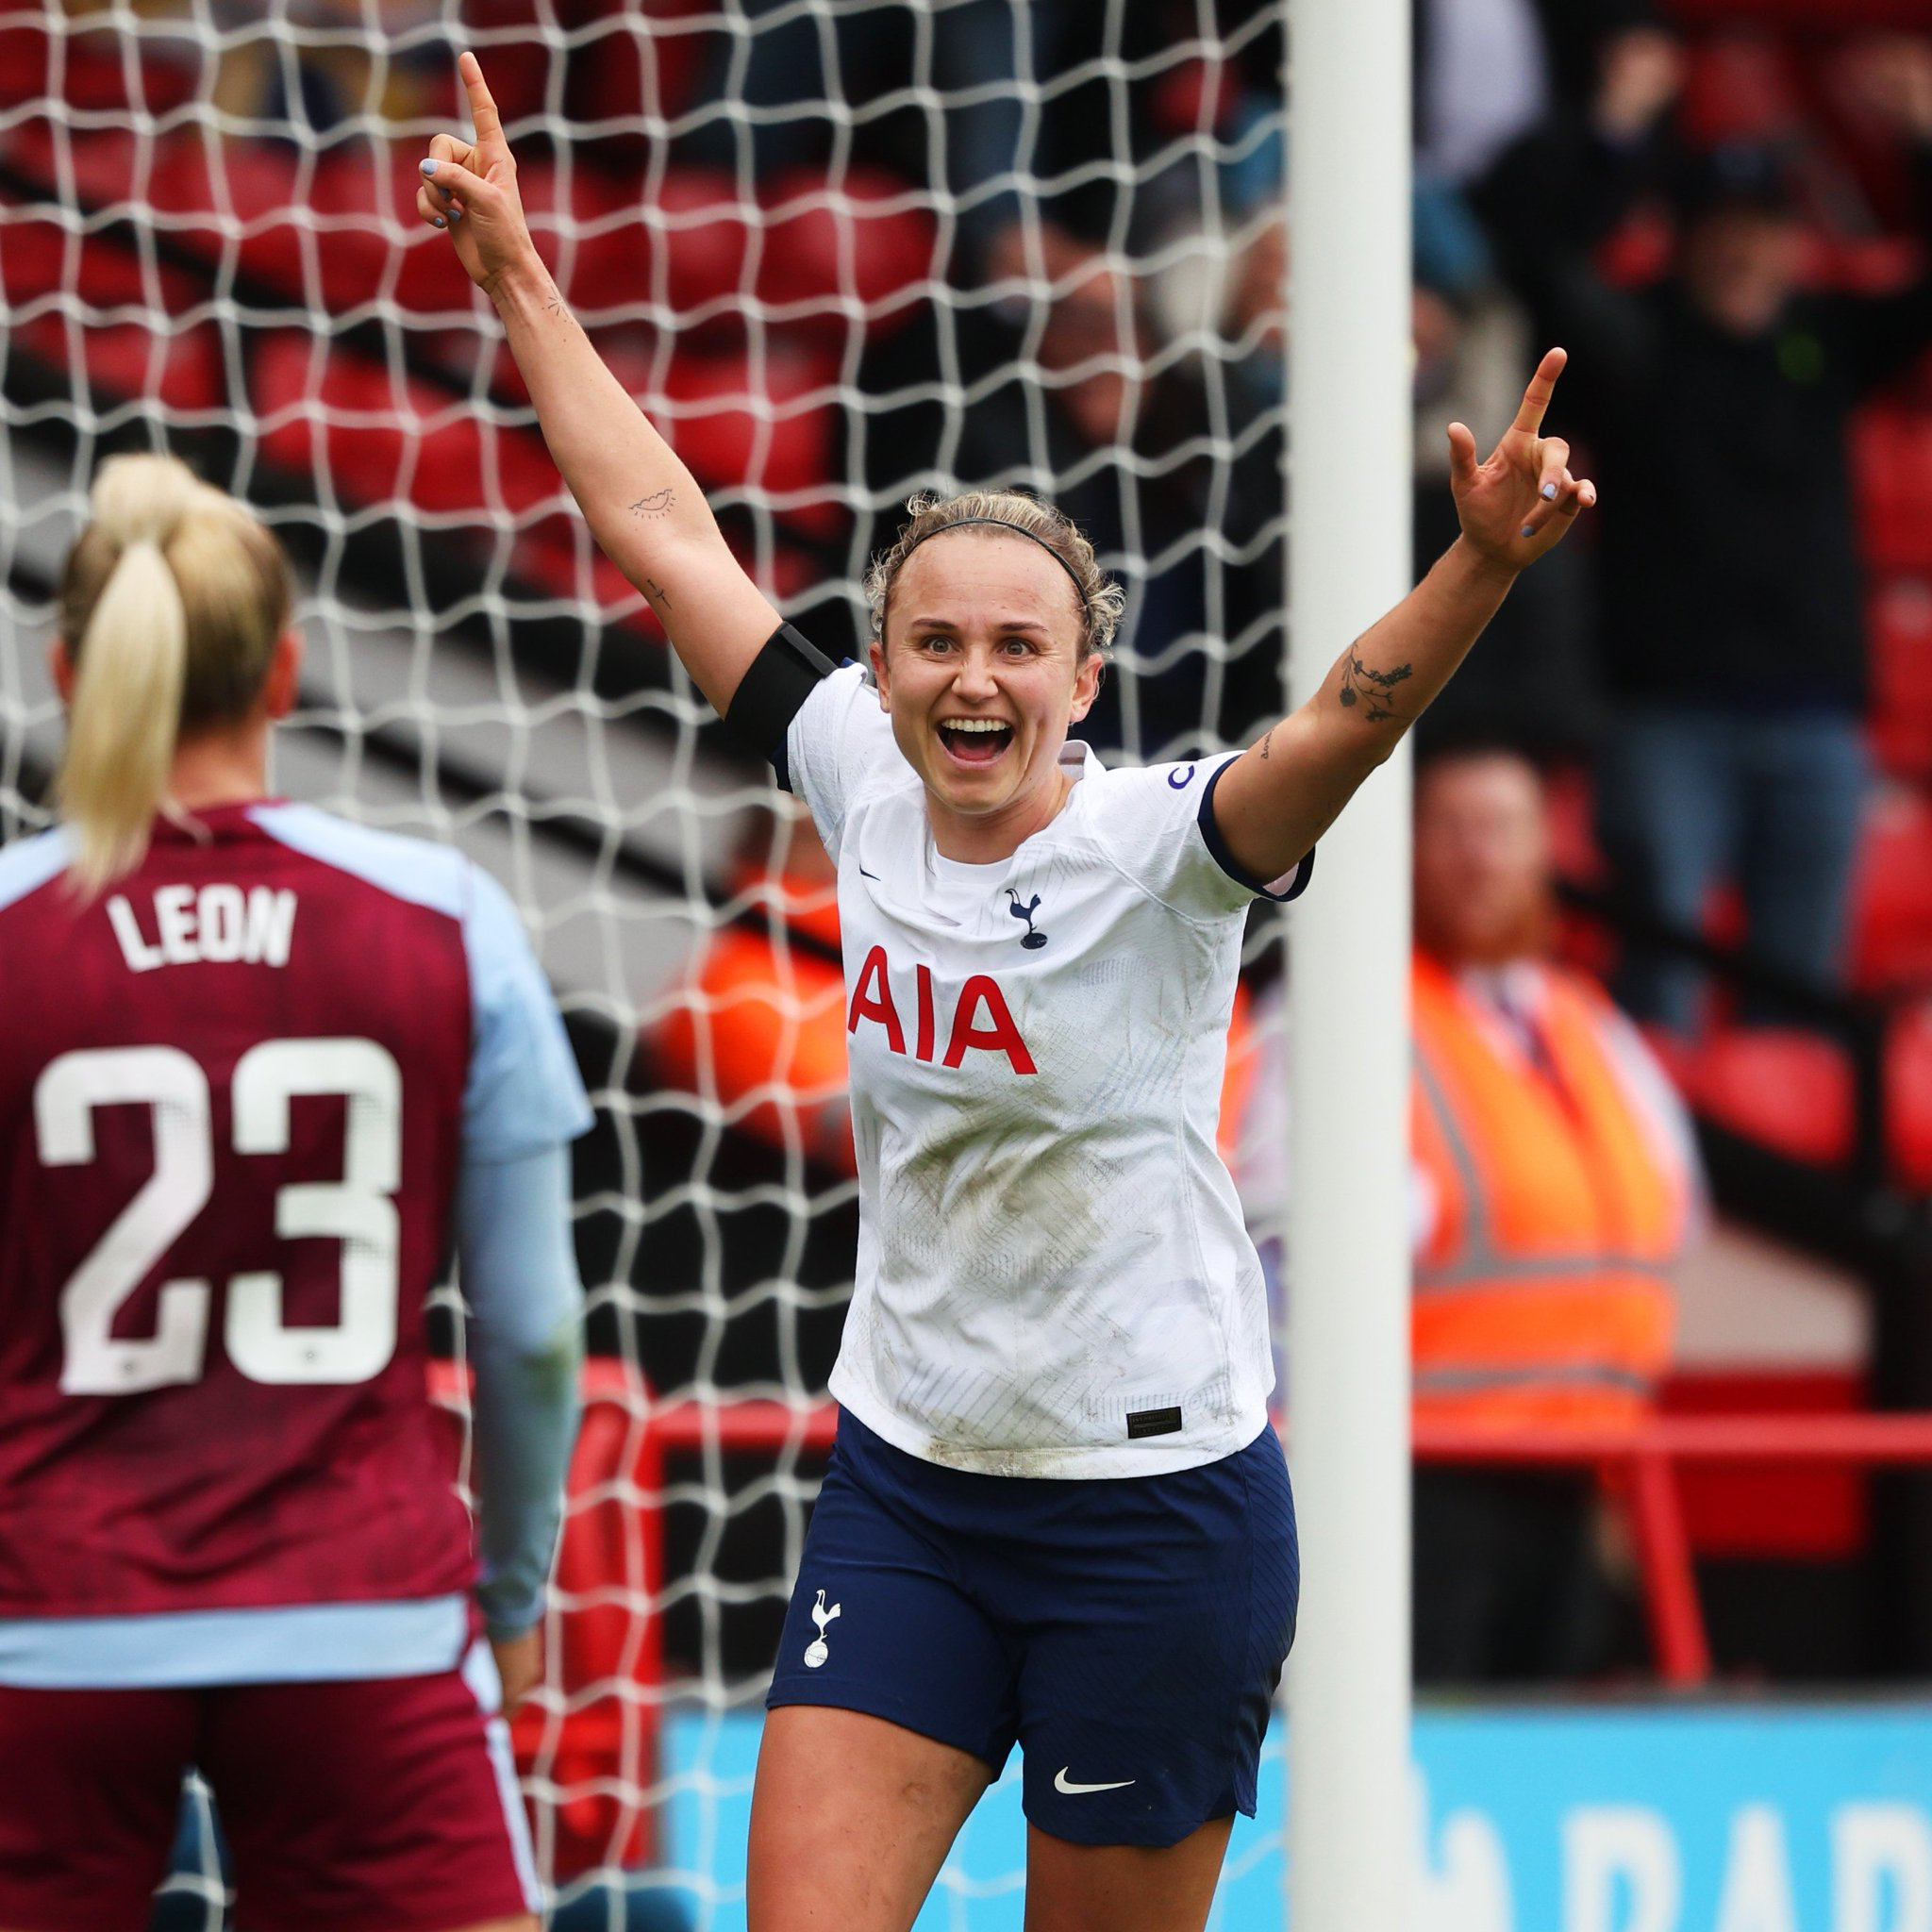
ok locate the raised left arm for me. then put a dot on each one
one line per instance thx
(1283, 792)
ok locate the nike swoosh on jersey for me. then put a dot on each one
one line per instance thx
(1061, 1783)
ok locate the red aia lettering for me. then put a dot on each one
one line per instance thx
(1001, 1036)
(867, 1005)
(872, 999)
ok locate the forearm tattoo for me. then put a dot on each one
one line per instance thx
(657, 593)
(657, 505)
(1375, 690)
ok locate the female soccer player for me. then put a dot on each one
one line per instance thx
(1057, 1513)
(258, 1064)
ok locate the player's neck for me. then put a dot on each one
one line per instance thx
(986, 840)
(221, 767)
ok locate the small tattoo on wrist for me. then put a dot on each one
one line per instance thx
(1266, 743)
(657, 593)
(658, 505)
(1372, 690)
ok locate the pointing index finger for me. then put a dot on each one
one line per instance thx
(482, 106)
(1542, 385)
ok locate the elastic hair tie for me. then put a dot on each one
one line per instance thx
(1001, 523)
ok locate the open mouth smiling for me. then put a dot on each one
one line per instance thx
(977, 741)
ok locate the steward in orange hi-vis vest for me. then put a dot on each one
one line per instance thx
(1542, 1287)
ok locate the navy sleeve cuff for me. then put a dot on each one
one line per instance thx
(1217, 847)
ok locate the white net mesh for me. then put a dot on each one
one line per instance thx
(840, 251)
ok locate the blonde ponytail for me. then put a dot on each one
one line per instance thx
(122, 722)
(170, 605)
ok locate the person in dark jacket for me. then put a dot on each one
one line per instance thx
(1730, 581)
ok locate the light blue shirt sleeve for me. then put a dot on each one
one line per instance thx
(524, 1091)
(523, 1102)
(525, 1344)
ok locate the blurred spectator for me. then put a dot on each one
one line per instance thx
(312, 67)
(1731, 606)
(1532, 680)
(1556, 1184)
(1174, 471)
(1481, 79)
(1002, 110)
(1555, 1189)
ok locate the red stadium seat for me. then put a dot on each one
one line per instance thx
(97, 68)
(179, 367)
(1899, 627)
(644, 65)
(1837, 15)
(373, 439)
(1739, 87)
(1891, 458)
(370, 241)
(1908, 1098)
(834, 253)
(1892, 900)
(1807, 1515)
(1793, 1093)
(1785, 1090)
(696, 220)
(686, 250)
(737, 419)
(615, 255)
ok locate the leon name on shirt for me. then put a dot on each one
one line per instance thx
(218, 923)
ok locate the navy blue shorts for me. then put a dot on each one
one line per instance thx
(1126, 1633)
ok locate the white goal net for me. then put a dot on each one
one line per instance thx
(840, 251)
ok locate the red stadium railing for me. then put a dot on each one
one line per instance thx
(595, 1736)
(1642, 1464)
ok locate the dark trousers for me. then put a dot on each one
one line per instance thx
(1508, 1587)
(1689, 796)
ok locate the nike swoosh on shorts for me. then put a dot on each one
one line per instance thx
(1061, 1783)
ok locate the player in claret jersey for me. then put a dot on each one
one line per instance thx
(1055, 1514)
(258, 1067)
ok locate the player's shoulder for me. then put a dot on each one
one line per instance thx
(1124, 804)
(845, 705)
(419, 871)
(28, 864)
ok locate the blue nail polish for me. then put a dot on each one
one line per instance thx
(1527, 531)
(456, 214)
(428, 167)
(437, 222)
(1549, 493)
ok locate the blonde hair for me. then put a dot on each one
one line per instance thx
(1102, 598)
(171, 604)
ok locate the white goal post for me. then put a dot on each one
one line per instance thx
(1348, 1395)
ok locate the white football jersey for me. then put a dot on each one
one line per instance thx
(1054, 1278)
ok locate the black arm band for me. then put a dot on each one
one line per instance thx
(776, 684)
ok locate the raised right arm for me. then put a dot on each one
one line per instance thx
(641, 502)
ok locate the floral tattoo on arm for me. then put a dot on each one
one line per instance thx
(1373, 690)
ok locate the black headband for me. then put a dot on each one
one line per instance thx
(1001, 523)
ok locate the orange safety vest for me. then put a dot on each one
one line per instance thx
(1543, 1293)
(761, 1029)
